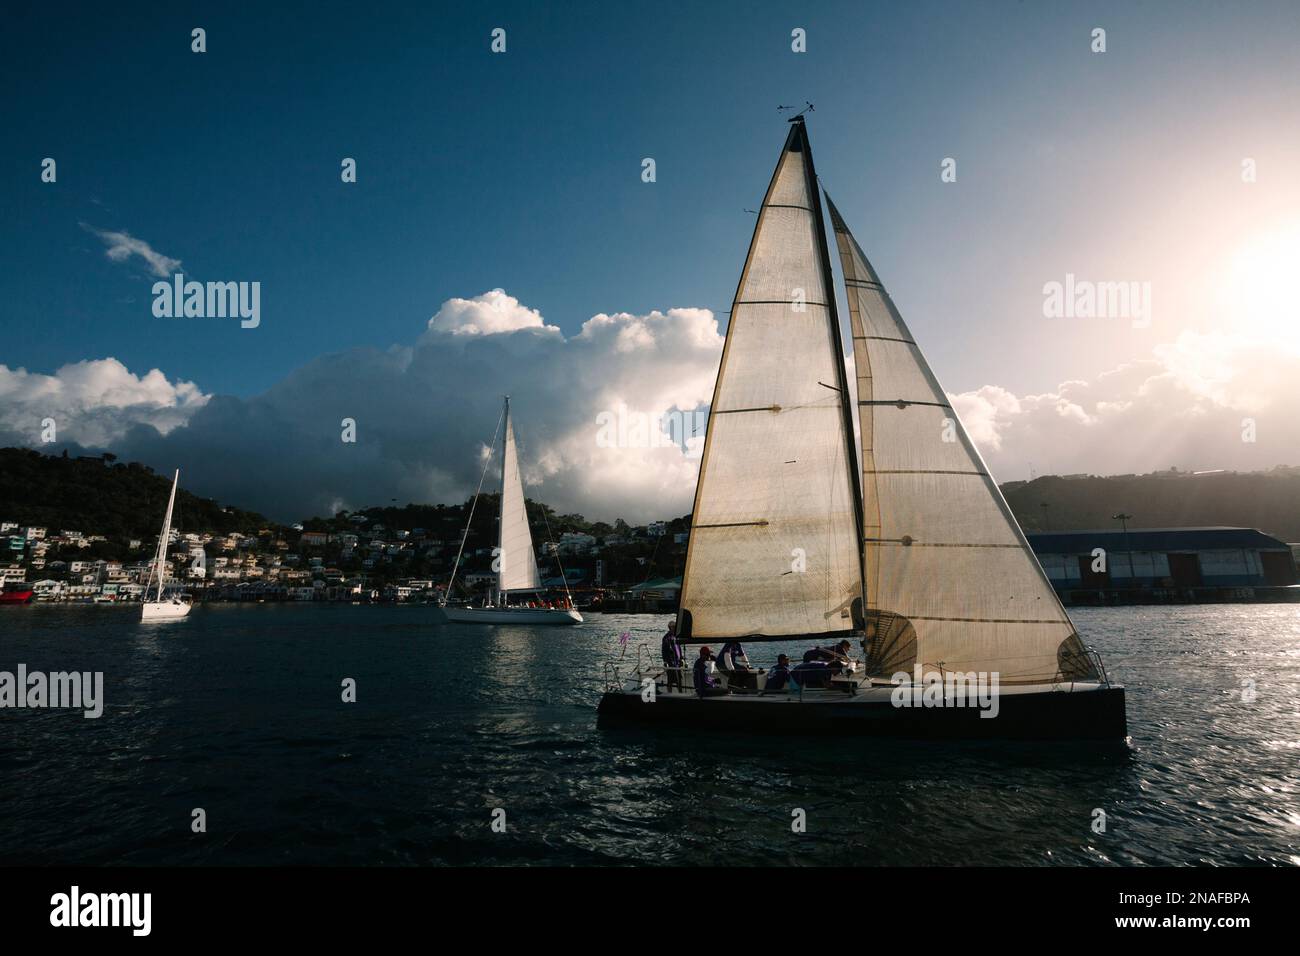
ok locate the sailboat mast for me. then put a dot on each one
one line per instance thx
(501, 506)
(166, 532)
(847, 399)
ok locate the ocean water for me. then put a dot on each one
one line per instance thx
(238, 711)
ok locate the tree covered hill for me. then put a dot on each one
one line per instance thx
(1268, 500)
(104, 496)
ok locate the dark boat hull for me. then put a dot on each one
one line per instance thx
(1095, 714)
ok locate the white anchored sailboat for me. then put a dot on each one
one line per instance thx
(163, 608)
(515, 561)
(910, 549)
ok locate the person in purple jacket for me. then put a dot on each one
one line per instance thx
(673, 657)
(705, 685)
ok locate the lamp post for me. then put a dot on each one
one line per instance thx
(1123, 519)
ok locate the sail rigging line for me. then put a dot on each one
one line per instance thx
(474, 504)
(558, 563)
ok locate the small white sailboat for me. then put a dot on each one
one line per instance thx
(910, 550)
(515, 561)
(164, 607)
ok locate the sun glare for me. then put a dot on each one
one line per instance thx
(1262, 300)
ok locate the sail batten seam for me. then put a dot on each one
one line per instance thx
(774, 302)
(903, 402)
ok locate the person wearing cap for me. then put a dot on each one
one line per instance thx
(705, 684)
(673, 657)
(778, 678)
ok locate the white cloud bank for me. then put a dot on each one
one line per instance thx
(424, 411)
(92, 403)
(1193, 404)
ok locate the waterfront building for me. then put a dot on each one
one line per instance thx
(1179, 560)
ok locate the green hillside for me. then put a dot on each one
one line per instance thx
(104, 496)
(1269, 501)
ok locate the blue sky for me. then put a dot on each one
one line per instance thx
(522, 170)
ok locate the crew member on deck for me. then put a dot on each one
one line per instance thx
(778, 678)
(734, 662)
(836, 655)
(705, 685)
(673, 657)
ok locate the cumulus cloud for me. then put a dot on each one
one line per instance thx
(1194, 404)
(487, 314)
(93, 404)
(121, 246)
(424, 411)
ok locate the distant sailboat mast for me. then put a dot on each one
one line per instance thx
(161, 555)
(501, 509)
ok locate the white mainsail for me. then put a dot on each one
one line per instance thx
(774, 532)
(516, 559)
(160, 557)
(951, 581)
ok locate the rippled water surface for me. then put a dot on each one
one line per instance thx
(237, 710)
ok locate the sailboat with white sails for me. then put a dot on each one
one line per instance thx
(162, 607)
(514, 559)
(908, 548)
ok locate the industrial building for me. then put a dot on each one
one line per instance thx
(1167, 564)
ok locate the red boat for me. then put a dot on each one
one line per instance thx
(16, 594)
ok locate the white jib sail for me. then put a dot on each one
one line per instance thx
(773, 546)
(951, 581)
(517, 561)
(160, 558)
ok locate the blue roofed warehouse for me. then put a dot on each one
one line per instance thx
(1163, 559)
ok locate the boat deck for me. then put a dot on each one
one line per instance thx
(1090, 710)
